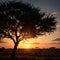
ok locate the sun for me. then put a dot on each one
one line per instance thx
(24, 45)
(27, 46)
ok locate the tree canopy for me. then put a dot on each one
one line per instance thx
(20, 20)
(24, 18)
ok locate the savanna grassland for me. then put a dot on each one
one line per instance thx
(31, 54)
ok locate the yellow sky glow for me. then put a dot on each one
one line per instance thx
(40, 42)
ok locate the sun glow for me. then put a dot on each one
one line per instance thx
(26, 44)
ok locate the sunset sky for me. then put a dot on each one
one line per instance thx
(46, 41)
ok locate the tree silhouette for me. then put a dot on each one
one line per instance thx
(19, 20)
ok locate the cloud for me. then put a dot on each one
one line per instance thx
(58, 26)
(55, 13)
(32, 43)
(57, 39)
(2, 42)
(54, 43)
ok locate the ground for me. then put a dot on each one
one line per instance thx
(31, 54)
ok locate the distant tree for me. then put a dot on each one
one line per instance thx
(52, 48)
(2, 49)
(19, 20)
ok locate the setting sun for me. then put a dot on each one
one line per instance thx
(26, 46)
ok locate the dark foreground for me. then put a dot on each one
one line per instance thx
(31, 54)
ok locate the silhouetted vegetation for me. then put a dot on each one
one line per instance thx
(2, 49)
(19, 20)
(32, 54)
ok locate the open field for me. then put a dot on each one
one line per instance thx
(31, 54)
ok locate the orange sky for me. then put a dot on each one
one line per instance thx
(40, 42)
(44, 41)
(48, 6)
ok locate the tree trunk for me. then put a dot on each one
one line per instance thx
(14, 50)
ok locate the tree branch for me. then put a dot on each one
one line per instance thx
(11, 37)
(7, 34)
(21, 38)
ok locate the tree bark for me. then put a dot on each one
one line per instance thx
(14, 50)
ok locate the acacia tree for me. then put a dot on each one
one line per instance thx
(19, 20)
